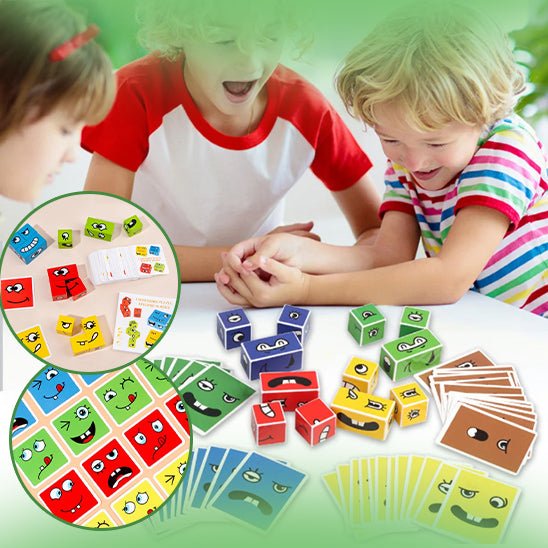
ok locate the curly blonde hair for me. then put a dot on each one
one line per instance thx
(165, 25)
(438, 64)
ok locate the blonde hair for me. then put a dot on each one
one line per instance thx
(438, 64)
(32, 85)
(165, 25)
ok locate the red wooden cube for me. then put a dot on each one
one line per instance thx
(268, 423)
(292, 389)
(315, 421)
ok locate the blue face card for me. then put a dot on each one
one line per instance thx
(259, 491)
(90, 378)
(231, 461)
(210, 466)
(22, 419)
(51, 388)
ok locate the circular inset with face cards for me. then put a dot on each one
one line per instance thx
(100, 450)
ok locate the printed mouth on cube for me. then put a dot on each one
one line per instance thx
(369, 426)
(293, 379)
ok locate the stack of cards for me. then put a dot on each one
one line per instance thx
(210, 393)
(485, 411)
(382, 495)
(241, 486)
(126, 263)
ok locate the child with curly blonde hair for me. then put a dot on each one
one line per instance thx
(465, 174)
(210, 131)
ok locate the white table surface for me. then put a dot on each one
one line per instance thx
(506, 334)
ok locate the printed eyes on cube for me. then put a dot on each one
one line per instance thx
(99, 226)
(361, 368)
(238, 337)
(294, 315)
(234, 318)
(61, 272)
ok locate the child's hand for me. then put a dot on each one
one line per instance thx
(286, 285)
(246, 256)
(298, 229)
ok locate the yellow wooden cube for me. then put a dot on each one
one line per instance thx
(66, 325)
(90, 339)
(34, 340)
(361, 375)
(363, 413)
(141, 251)
(152, 337)
(411, 404)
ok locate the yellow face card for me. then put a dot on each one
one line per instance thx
(413, 471)
(343, 473)
(428, 471)
(138, 503)
(331, 481)
(477, 508)
(382, 482)
(367, 516)
(435, 494)
(402, 463)
(355, 506)
(100, 521)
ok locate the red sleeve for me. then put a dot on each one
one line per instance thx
(122, 137)
(339, 161)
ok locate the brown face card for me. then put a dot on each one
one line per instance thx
(487, 438)
(473, 359)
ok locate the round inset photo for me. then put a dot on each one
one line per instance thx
(100, 450)
(89, 282)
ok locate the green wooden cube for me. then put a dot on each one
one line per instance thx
(64, 238)
(410, 354)
(99, 228)
(413, 319)
(133, 225)
(366, 324)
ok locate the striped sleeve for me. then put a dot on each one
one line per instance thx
(396, 194)
(504, 174)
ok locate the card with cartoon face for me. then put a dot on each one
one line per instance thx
(259, 491)
(477, 508)
(212, 396)
(487, 438)
(477, 358)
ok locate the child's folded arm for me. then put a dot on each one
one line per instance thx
(443, 279)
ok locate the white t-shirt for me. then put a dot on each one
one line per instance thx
(207, 188)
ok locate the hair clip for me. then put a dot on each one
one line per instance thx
(70, 46)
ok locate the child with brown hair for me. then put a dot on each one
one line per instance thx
(55, 78)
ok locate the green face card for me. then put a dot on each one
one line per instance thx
(39, 457)
(123, 396)
(81, 426)
(212, 396)
(155, 377)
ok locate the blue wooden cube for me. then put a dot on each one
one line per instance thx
(158, 319)
(233, 328)
(294, 319)
(282, 352)
(27, 243)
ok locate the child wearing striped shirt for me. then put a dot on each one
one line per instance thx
(465, 174)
